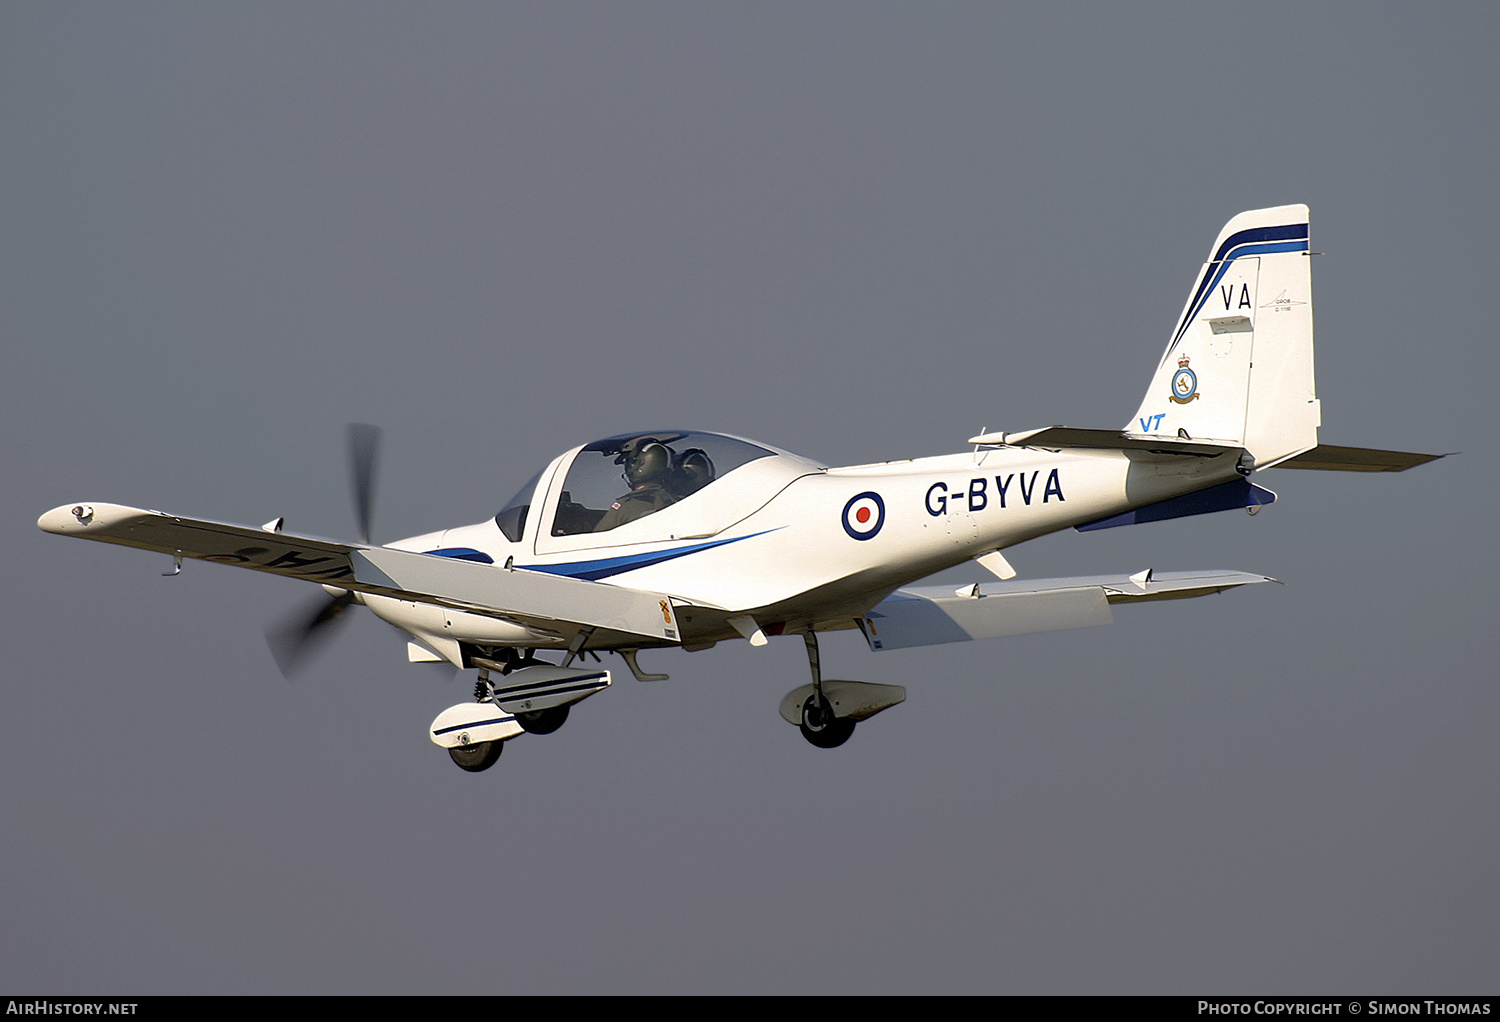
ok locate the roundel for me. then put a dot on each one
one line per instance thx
(864, 515)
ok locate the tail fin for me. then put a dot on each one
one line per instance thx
(1239, 365)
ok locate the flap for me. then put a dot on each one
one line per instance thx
(928, 615)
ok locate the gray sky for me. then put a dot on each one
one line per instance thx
(856, 231)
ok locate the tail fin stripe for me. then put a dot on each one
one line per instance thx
(1261, 241)
(1280, 232)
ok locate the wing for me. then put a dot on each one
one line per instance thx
(928, 615)
(522, 596)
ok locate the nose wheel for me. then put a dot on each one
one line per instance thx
(476, 757)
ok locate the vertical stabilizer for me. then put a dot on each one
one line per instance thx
(1239, 365)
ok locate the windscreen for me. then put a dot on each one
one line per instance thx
(512, 517)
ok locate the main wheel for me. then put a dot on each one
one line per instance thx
(543, 722)
(476, 757)
(820, 727)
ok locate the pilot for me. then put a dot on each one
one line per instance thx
(648, 463)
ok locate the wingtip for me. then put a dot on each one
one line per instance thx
(67, 519)
(80, 517)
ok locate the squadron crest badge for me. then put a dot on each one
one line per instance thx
(1184, 383)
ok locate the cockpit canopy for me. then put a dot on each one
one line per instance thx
(624, 478)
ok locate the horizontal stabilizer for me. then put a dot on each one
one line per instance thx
(1228, 496)
(929, 615)
(1327, 458)
(1061, 437)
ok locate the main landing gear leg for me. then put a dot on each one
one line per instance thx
(819, 724)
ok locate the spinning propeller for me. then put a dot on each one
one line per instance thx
(364, 449)
(296, 637)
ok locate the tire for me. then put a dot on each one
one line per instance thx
(543, 722)
(821, 728)
(476, 757)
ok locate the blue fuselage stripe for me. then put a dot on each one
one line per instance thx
(604, 567)
(464, 553)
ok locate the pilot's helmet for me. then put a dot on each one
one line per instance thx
(646, 460)
(693, 471)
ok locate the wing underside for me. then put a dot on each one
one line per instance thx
(524, 597)
(929, 615)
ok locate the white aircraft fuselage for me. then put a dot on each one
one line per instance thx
(818, 543)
